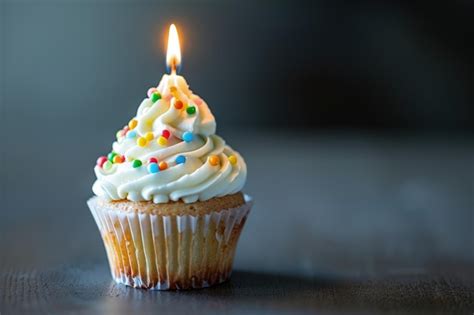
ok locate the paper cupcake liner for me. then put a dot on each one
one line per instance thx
(170, 252)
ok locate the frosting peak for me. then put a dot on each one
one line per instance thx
(169, 151)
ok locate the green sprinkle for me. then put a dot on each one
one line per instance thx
(191, 110)
(136, 163)
(155, 97)
(107, 165)
(111, 156)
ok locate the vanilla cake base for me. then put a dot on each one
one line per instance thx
(174, 245)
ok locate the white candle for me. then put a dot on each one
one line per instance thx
(173, 60)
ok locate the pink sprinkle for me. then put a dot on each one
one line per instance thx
(151, 91)
(167, 97)
(197, 100)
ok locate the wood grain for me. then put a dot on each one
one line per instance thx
(90, 290)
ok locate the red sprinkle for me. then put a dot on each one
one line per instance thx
(101, 160)
(165, 133)
(178, 104)
(153, 160)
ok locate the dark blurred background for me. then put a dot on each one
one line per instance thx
(312, 64)
(355, 118)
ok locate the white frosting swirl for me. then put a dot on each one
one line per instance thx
(197, 178)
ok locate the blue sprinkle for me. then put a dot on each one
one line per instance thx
(131, 134)
(188, 136)
(153, 168)
(180, 159)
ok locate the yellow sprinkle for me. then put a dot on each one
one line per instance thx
(132, 124)
(149, 136)
(162, 141)
(233, 159)
(174, 92)
(142, 142)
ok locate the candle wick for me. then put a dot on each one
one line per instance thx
(173, 66)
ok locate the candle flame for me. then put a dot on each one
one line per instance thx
(173, 53)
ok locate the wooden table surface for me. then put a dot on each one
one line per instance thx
(342, 224)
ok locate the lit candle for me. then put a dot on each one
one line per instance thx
(173, 53)
(173, 82)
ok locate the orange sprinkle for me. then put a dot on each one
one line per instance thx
(118, 159)
(214, 160)
(163, 165)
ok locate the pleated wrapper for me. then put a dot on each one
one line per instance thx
(176, 252)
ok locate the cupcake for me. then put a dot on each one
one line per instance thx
(168, 198)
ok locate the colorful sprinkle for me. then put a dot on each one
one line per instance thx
(166, 133)
(101, 160)
(191, 110)
(163, 165)
(118, 159)
(162, 141)
(119, 134)
(232, 159)
(153, 160)
(107, 165)
(149, 136)
(111, 156)
(214, 160)
(167, 97)
(178, 104)
(125, 129)
(180, 159)
(151, 91)
(153, 168)
(136, 163)
(142, 142)
(174, 91)
(132, 124)
(155, 97)
(131, 134)
(197, 100)
(188, 136)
